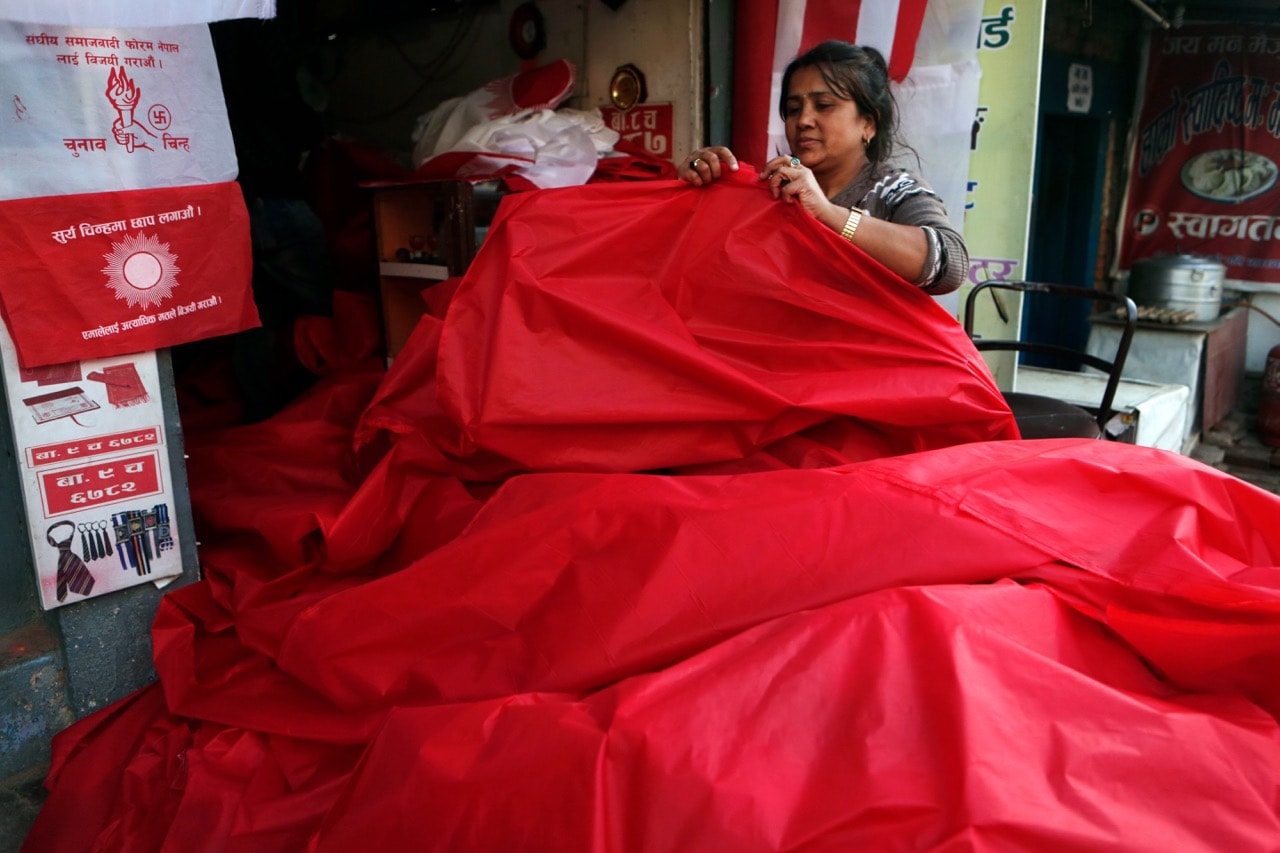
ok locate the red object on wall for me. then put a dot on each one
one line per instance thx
(1269, 405)
(650, 126)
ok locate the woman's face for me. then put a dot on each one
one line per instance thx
(824, 129)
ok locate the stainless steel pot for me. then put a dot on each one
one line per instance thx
(1178, 283)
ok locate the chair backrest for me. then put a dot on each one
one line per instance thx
(1112, 368)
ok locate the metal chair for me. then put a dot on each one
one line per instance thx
(1046, 417)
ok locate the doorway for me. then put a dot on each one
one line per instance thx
(1066, 219)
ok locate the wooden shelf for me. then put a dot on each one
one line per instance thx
(429, 216)
(437, 218)
(435, 272)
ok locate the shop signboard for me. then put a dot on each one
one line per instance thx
(1206, 150)
(650, 126)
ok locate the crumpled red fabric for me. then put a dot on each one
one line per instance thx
(651, 326)
(789, 610)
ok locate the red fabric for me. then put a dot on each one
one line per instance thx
(51, 374)
(106, 274)
(631, 162)
(493, 634)
(685, 356)
(541, 88)
(124, 386)
(348, 339)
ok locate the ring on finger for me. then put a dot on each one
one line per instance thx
(693, 164)
(795, 161)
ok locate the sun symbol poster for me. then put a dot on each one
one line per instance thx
(121, 225)
(107, 274)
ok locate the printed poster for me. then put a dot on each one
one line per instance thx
(90, 445)
(1206, 151)
(115, 273)
(100, 110)
(122, 231)
(121, 225)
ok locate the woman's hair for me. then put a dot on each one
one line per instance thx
(858, 74)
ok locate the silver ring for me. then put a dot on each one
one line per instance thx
(795, 161)
(693, 164)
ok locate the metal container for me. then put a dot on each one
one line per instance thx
(1178, 283)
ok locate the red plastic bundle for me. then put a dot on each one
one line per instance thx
(689, 528)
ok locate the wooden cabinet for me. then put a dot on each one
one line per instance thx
(425, 233)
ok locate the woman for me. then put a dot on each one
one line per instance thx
(841, 123)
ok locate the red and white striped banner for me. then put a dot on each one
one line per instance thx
(782, 29)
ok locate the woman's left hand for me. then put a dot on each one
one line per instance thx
(791, 181)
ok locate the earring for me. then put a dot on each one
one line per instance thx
(866, 142)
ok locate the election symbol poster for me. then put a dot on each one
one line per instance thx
(1206, 153)
(101, 110)
(121, 225)
(114, 273)
(92, 455)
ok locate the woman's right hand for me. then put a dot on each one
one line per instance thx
(704, 165)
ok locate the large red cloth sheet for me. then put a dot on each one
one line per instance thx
(655, 546)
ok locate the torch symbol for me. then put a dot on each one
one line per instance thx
(124, 96)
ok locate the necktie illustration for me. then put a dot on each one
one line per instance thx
(73, 575)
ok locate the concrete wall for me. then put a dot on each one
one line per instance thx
(33, 703)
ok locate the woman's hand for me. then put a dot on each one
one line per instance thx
(792, 182)
(706, 164)
(901, 248)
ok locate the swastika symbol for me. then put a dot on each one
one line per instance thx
(159, 117)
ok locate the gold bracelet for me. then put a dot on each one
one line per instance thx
(851, 224)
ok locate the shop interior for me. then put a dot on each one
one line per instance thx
(357, 517)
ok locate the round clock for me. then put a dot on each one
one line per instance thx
(527, 31)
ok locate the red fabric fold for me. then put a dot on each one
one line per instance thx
(653, 326)
(753, 745)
